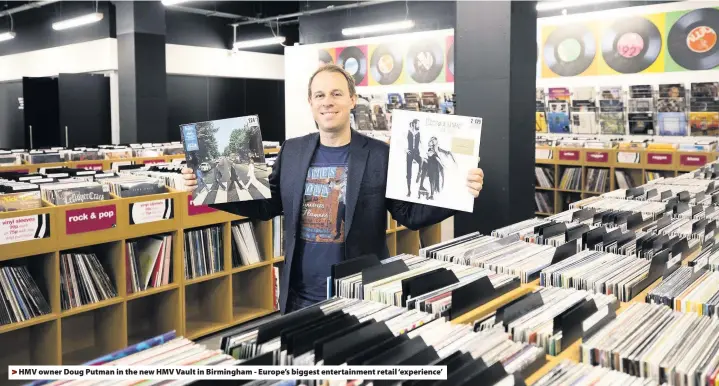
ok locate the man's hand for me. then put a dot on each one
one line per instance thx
(475, 180)
(190, 179)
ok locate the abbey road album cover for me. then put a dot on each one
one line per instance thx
(436, 152)
(228, 158)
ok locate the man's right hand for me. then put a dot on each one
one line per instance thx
(190, 179)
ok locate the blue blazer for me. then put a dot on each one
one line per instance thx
(366, 205)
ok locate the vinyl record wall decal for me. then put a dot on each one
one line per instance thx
(569, 50)
(424, 60)
(631, 45)
(386, 64)
(692, 40)
(354, 60)
(450, 59)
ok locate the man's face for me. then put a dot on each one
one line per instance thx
(331, 101)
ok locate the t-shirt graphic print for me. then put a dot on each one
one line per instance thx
(323, 206)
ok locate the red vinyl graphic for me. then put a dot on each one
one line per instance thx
(90, 219)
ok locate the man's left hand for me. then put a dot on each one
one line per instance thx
(475, 180)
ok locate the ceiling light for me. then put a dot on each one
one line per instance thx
(259, 42)
(78, 21)
(7, 36)
(397, 25)
(553, 5)
(173, 2)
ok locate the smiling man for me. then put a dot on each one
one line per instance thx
(330, 186)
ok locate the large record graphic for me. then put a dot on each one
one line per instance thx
(386, 64)
(570, 50)
(631, 45)
(425, 60)
(354, 61)
(692, 40)
(450, 58)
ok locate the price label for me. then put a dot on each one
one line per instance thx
(151, 211)
(692, 160)
(659, 159)
(597, 156)
(24, 228)
(194, 210)
(569, 155)
(90, 219)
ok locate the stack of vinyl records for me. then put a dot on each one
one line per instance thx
(169, 174)
(688, 289)
(567, 372)
(245, 250)
(544, 202)
(509, 255)
(571, 179)
(649, 210)
(148, 263)
(624, 180)
(655, 342)
(163, 350)
(544, 177)
(203, 251)
(278, 236)
(83, 280)
(75, 192)
(359, 332)
(428, 285)
(116, 152)
(134, 186)
(8, 158)
(542, 314)
(20, 297)
(42, 156)
(82, 154)
(597, 180)
(19, 196)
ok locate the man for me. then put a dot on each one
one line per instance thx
(413, 141)
(301, 184)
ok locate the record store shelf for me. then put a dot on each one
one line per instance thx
(193, 307)
(638, 164)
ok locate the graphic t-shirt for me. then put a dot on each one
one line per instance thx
(322, 222)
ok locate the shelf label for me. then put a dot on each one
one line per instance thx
(569, 155)
(659, 159)
(543, 153)
(154, 161)
(627, 157)
(16, 171)
(597, 156)
(692, 160)
(97, 167)
(90, 219)
(24, 228)
(150, 211)
(193, 209)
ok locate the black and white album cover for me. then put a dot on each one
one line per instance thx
(228, 158)
(430, 158)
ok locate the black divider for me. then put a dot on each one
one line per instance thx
(475, 294)
(612, 236)
(593, 237)
(709, 210)
(288, 333)
(426, 282)
(488, 376)
(635, 192)
(699, 226)
(634, 220)
(553, 230)
(576, 232)
(319, 344)
(454, 362)
(715, 198)
(336, 352)
(663, 222)
(583, 215)
(710, 187)
(699, 197)
(272, 329)
(665, 194)
(656, 270)
(569, 322)
(684, 196)
(375, 350)
(383, 271)
(398, 353)
(564, 251)
(465, 372)
(303, 343)
(709, 229)
(539, 228)
(515, 309)
(652, 193)
(625, 238)
(681, 207)
(610, 313)
(696, 210)
(353, 266)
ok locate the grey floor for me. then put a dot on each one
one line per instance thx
(213, 341)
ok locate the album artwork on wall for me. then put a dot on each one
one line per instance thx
(437, 152)
(228, 159)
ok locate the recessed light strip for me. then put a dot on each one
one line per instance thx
(377, 28)
(77, 21)
(5, 36)
(259, 42)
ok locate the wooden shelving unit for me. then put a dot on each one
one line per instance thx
(557, 159)
(193, 307)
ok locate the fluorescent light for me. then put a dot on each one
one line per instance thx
(78, 21)
(552, 5)
(397, 25)
(173, 2)
(7, 36)
(259, 42)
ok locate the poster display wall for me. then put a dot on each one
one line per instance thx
(413, 71)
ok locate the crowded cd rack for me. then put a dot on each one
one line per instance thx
(564, 175)
(86, 286)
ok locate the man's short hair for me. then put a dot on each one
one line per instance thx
(336, 69)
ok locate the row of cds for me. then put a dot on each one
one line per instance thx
(361, 332)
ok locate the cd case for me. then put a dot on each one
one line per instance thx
(437, 151)
(228, 159)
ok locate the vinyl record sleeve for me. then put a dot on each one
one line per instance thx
(436, 151)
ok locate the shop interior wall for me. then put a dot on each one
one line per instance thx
(40, 51)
